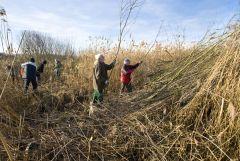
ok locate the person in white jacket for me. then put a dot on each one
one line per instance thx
(29, 75)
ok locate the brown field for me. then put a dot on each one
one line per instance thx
(185, 106)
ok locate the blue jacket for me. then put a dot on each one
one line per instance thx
(30, 70)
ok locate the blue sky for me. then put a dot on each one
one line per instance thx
(76, 20)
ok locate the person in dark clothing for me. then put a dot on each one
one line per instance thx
(29, 71)
(40, 70)
(126, 72)
(100, 77)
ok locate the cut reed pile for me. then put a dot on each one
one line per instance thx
(192, 110)
(187, 110)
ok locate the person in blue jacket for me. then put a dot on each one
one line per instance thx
(29, 75)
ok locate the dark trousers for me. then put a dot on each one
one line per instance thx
(13, 78)
(27, 83)
(127, 86)
(38, 77)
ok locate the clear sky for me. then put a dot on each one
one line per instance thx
(76, 20)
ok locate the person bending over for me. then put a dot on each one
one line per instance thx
(29, 71)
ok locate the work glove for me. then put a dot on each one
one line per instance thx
(114, 62)
(106, 82)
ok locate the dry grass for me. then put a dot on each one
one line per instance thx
(185, 107)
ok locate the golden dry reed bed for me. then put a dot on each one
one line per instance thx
(185, 107)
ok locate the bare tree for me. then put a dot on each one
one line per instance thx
(39, 43)
(126, 10)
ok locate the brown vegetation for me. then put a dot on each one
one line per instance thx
(185, 107)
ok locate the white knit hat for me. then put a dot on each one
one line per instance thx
(126, 61)
(98, 56)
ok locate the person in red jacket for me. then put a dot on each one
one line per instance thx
(126, 72)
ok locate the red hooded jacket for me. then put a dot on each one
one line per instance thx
(126, 72)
